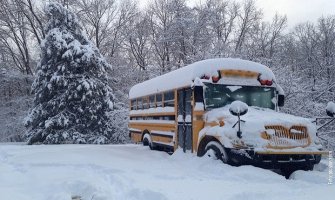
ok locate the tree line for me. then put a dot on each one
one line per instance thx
(169, 34)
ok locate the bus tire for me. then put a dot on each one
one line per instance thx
(216, 151)
(147, 141)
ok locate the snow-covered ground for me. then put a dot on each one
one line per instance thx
(58, 172)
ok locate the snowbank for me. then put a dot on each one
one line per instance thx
(132, 172)
(330, 107)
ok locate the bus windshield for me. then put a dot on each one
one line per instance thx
(217, 95)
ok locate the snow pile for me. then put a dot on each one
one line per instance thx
(330, 108)
(185, 76)
(314, 176)
(133, 172)
(238, 107)
(234, 88)
(255, 121)
(199, 106)
(152, 110)
(197, 82)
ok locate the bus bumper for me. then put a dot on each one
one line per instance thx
(274, 160)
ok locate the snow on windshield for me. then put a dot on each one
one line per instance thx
(217, 95)
(234, 88)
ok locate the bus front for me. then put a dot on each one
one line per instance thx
(264, 136)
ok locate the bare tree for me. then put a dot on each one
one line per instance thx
(14, 35)
(222, 17)
(97, 18)
(249, 15)
(265, 38)
(326, 39)
(34, 16)
(277, 26)
(126, 13)
(160, 19)
(138, 41)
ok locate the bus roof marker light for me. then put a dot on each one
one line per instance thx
(264, 82)
(215, 76)
(238, 108)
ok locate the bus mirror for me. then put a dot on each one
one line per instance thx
(198, 94)
(330, 109)
(281, 100)
(238, 108)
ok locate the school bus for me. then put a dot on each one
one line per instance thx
(191, 108)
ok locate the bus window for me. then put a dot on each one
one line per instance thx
(145, 102)
(139, 103)
(159, 99)
(133, 104)
(152, 101)
(169, 99)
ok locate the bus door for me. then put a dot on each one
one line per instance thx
(185, 119)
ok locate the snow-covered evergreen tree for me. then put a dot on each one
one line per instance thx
(72, 99)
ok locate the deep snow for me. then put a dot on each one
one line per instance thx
(57, 172)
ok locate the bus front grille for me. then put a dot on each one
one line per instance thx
(282, 137)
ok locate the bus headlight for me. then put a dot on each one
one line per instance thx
(240, 144)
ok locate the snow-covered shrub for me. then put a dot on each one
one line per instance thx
(330, 108)
(72, 99)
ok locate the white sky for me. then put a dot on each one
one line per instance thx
(296, 10)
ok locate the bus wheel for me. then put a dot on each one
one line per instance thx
(147, 141)
(216, 151)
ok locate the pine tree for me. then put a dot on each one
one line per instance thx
(72, 99)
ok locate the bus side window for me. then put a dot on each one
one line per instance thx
(159, 99)
(145, 102)
(169, 99)
(139, 103)
(198, 94)
(152, 101)
(133, 104)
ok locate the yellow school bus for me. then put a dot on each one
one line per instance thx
(227, 109)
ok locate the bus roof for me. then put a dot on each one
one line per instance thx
(185, 76)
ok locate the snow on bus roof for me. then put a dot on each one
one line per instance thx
(185, 76)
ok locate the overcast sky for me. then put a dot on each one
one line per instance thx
(295, 10)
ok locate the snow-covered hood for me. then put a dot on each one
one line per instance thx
(255, 121)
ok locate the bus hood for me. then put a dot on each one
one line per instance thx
(262, 128)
